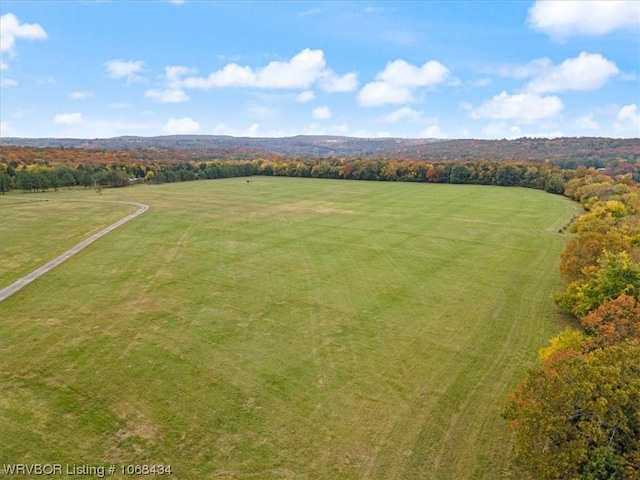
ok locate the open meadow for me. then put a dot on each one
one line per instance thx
(283, 328)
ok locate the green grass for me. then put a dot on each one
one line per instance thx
(287, 328)
(35, 228)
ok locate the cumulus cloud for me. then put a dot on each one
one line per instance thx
(629, 119)
(404, 113)
(11, 29)
(181, 126)
(128, 70)
(74, 118)
(306, 96)
(381, 93)
(321, 113)
(587, 71)
(561, 19)
(397, 82)
(523, 107)
(301, 71)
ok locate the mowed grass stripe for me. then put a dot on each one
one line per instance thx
(288, 328)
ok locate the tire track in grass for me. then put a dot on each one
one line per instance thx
(38, 272)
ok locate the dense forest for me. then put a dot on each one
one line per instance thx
(33, 169)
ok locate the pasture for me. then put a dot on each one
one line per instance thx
(284, 328)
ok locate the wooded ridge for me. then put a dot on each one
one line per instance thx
(569, 151)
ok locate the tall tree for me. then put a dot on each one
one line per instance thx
(568, 409)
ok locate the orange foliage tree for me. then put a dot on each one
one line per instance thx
(613, 322)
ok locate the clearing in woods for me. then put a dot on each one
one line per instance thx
(283, 328)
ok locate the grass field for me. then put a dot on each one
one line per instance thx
(287, 328)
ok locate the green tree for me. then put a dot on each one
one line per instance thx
(459, 174)
(617, 275)
(603, 464)
(5, 182)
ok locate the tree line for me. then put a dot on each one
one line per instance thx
(577, 414)
(44, 175)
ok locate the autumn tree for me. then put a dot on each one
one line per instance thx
(583, 251)
(570, 409)
(613, 321)
(569, 341)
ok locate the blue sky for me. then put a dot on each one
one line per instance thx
(474, 69)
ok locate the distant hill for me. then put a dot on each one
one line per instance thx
(568, 149)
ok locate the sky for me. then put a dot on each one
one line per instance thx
(419, 69)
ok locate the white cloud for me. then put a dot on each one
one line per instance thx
(174, 73)
(305, 96)
(629, 119)
(177, 2)
(433, 131)
(380, 93)
(173, 93)
(74, 118)
(8, 82)
(301, 71)
(11, 29)
(129, 70)
(523, 107)
(181, 126)
(334, 83)
(561, 19)
(321, 113)
(402, 74)
(80, 95)
(167, 96)
(395, 84)
(404, 113)
(587, 71)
